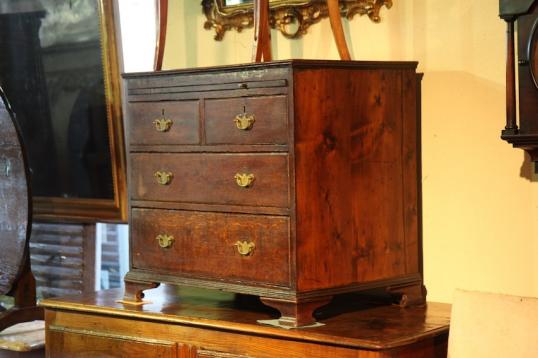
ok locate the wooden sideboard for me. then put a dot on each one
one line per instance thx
(182, 322)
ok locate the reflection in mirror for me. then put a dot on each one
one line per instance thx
(53, 76)
(58, 67)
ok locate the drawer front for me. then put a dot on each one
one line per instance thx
(211, 178)
(154, 123)
(247, 120)
(67, 344)
(234, 247)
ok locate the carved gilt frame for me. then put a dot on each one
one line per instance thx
(87, 209)
(283, 13)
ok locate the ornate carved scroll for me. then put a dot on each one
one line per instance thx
(291, 17)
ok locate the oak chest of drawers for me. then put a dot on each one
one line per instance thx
(293, 180)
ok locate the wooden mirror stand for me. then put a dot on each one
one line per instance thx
(262, 36)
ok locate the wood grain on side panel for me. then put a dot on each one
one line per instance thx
(351, 178)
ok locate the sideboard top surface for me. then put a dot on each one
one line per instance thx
(366, 326)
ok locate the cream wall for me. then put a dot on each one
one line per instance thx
(480, 202)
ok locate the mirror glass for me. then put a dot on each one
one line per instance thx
(533, 53)
(235, 2)
(51, 69)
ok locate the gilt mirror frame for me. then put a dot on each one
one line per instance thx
(283, 13)
(92, 209)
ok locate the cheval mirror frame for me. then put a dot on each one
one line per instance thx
(76, 203)
(291, 17)
(114, 209)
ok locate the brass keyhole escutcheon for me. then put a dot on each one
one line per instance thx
(163, 178)
(244, 121)
(162, 124)
(244, 180)
(245, 248)
(165, 241)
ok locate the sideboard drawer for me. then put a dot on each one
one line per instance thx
(83, 344)
(211, 178)
(234, 247)
(167, 122)
(247, 120)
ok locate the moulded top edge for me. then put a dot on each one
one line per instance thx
(298, 63)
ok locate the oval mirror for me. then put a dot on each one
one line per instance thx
(15, 210)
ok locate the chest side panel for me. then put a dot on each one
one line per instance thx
(356, 165)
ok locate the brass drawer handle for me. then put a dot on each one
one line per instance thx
(165, 241)
(162, 124)
(244, 180)
(245, 248)
(163, 178)
(244, 121)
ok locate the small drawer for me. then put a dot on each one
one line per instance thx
(233, 179)
(247, 120)
(230, 247)
(154, 123)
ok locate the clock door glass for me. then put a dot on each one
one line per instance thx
(533, 53)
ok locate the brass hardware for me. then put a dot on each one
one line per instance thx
(162, 124)
(244, 180)
(163, 178)
(244, 121)
(245, 248)
(165, 241)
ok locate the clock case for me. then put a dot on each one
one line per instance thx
(523, 16)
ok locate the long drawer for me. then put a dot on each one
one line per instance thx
(230, 247)
(228, 179)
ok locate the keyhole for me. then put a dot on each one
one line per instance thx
(162, 112)
(244, 109)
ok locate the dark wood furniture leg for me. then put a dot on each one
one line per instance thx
(413, 294)
(296, 314)
(25, 308)
(134, 291)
